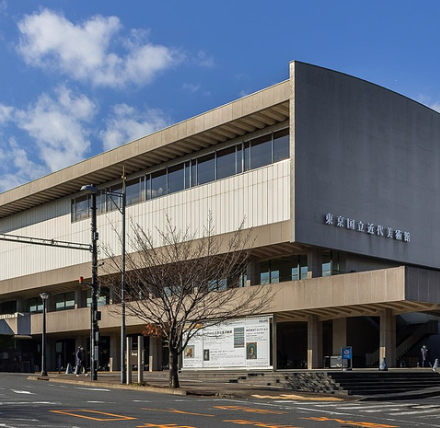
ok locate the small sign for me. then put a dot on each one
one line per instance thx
(346, 353)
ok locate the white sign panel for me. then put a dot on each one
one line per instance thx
(242, 343)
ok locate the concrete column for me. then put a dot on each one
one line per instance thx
(253, 271)
(339, 335)
(129, 347)
(155, 354)
(387, 346)
(315, 358)
(314, 263)
(80, 298)
(140, 361)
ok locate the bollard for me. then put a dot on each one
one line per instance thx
(383, 365)
(436, 364)
(69, 369)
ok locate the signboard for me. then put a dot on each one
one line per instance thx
(242, 343)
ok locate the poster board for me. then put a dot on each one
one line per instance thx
(241, 343)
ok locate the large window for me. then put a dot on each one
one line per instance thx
(206, 169)
(65, 301)
(34, 305)
(226, 162)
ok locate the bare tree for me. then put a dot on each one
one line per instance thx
(180, 283)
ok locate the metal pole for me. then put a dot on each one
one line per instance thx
(43, 341)
(94, 343)
(123, 329)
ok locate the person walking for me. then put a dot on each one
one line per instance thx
(425, 356)
(80, 361)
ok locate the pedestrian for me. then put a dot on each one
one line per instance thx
(80, 361)
(425, 356)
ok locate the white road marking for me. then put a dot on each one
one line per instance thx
(22, 392)
(93, 389)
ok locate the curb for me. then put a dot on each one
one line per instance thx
(131, 387)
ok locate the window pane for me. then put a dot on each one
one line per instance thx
(281, 143)
(206, 169)
(80, 207)
(70, 300)
(187, 175)
(247, 156)
(158, 184)
(226, 163)
(261, 151)
(133, 191)
(176, 178)
(113, 201)
(148, 186)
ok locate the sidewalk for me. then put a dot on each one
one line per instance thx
(158, 383)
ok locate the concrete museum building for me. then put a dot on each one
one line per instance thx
(338, 178)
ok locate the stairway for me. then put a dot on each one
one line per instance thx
(372, 383)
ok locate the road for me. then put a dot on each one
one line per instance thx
(31, 403)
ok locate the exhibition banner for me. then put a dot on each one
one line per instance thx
(241, 343)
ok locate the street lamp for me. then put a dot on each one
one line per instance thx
(121, 209)
(92, 190)
(44, 297)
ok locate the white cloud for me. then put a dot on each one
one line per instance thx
(127, 124)
(83, 51)
(57, 125)
(16, 168)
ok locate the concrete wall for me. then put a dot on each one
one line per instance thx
(369, 154)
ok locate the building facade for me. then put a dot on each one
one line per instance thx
(337, 177)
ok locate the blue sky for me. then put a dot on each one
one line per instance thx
(79, 77)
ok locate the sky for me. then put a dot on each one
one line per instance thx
(80, 77)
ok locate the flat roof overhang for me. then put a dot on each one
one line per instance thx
(401, 290)
(236, 119)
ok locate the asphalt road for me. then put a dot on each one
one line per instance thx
(32, 403)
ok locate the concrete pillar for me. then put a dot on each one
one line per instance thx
(140, 361)
(314, 263)
(387, 346)
(315, 357)
(155, 354)
(339, 335)
(129, 347)
(253, 271)
(80, 298)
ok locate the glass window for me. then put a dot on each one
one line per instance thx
(101, 300)
(176, 178)
(247, 156)
(114, 201)
(281, 145)
(226, 163)
(187, 175)
(133, 191)
(148, 186)
(261, 151)
(65, 301)
(34, 305)
(206, 168)
(158, 183)
(80, 208)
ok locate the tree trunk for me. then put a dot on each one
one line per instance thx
(174, 369)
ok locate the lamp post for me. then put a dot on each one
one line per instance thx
(94, 330)
(44, 297)
(121, 209)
